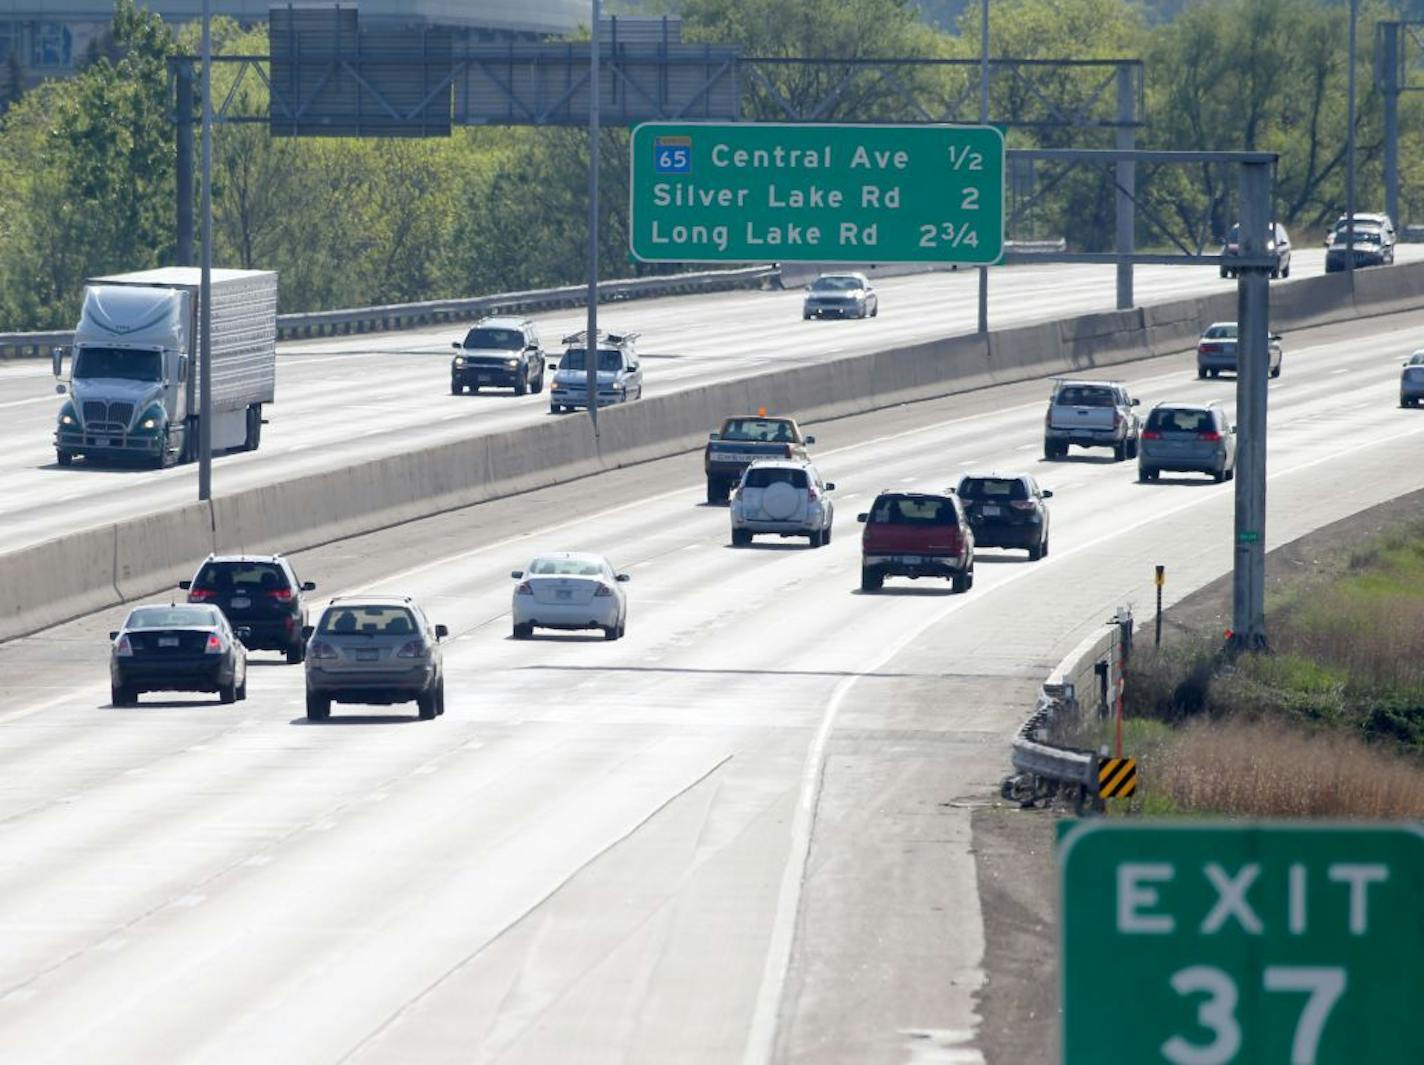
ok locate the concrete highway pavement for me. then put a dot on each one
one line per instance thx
(342, 400)
(738, 835)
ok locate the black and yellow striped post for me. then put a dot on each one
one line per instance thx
(1117, 778)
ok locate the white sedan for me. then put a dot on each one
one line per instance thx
(567, 590)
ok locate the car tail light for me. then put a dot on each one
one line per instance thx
(320, 649)
(1117, 418)
(123, 648)
(1151, 434)
(1022, 504)
(1210, 438)
(201, 595)
(411, 649)
(214, 645)
(603, 591)
(525, 588)
(812, 495)
(1207, 349)
(282, 595)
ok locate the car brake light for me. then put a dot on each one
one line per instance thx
(603, 590)
(321, 649)
(1151, 434)
(1210, 438)
(525, 588)
(199, 595)
(1022, 504)
(1117, 418)
(214, 646)
(411, 649)
(123, 648)
(282, 595)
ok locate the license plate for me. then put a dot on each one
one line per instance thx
(241, 602)
(367, 656)
(566, 595)
(485, 378)
(912, 560)
(990, 511)
(168, 641)
(101, 441)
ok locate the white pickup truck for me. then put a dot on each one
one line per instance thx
(1090, 414)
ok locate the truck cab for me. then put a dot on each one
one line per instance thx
(746, 439)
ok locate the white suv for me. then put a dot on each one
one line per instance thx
(785, 498)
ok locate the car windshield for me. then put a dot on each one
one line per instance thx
(608, 361)
(836, 284)
(757, 429)
(171, 617)
(504, 339)
(129, 364)
(565, 567)
(242, 576)
(766, 476)
(1221, 332)
(1085, 396)
(1362, 236)
(1177, 420)
(368, 620)
(992, 488)
(914, 510)
(1417, 359)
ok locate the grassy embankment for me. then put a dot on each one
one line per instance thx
(1331, 724)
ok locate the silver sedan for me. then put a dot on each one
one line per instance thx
(570, 591)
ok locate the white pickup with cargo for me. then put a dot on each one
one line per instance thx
(1090, 414)
(133, 388)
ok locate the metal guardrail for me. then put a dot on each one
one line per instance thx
(407, 315)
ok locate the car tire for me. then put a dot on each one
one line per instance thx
(1276, 371)
(741, 537)
(227, 693)
(813, 538)
(523, 630)
(961, 583)
(318, 707)
(1231, 474)
(1045, 547)
(64, 458)
(296, 652)
(1119, 451)
(716, 490)
(1225, 273)
(538, 385)
(875, 310)
(456, 388)
(427, 704)
(871, 579)
(1053, 450)
(612, 632)
(1035, 552)
(825, 536)
(242, 690)
(1201, 373)
(1214, 373)
(1219, 475)
(1285, 272)
(1145, 474)
(122, 695)
(521, 384)
(1132, 448)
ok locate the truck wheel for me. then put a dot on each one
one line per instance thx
(521, 384)
(871, 579)
(64, 458)
(960, 583)
(254, 427)
(716, 490)
(455, 387)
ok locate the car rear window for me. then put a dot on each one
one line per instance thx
(914, 510)
(760, 429)
(163, 617)
(1085, 396)
(766, 476)
(377, 620)
(993, 488)
(1181, 421)
(1221, 332)
(241, 575)
(564, 567)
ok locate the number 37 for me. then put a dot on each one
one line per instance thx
(1217, 1013)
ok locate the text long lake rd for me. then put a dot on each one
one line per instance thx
(789, 234)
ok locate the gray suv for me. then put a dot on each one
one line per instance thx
(1190, 437)
(503, 352)
(374, 649)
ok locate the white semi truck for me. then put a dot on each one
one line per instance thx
(133, 388)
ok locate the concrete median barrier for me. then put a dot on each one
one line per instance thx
(73, 575)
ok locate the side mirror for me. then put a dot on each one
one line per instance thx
(808, 288)
(1048, 493)
(441, 631)
(185, 585)
(243, 633)
(830, 486)
(308, 586)
(1276, 337)
(1136, 402)
(531, 347)
(810, 440)
(862, 518)
(623, 578)
(714, 436)
(516, 574)
(60, 389)
(307, 631)
(56, 361)
(456, 345)
(113, 635)
(182, 369)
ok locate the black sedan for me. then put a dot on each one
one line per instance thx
(1007, 510)
(186, 648)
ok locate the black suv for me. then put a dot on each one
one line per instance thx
(1006, 510)
(260, 593)
(504, 352)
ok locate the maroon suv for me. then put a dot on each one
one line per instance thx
(916, 534)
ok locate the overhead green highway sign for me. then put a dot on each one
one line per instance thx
(758, 192)
(1242, 944)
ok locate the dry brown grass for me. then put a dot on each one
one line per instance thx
(1263, 769)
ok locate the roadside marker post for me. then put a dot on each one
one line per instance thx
(1161, 579)
(1246, 944)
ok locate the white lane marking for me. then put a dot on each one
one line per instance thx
(1343, 369)
(762, 1034)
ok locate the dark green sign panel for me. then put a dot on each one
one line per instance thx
(1242, 944)
(754, 192)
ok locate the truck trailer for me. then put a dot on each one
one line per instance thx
(134, 379)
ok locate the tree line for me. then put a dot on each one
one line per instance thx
(87, 164)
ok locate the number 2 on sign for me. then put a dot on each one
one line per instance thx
(1217, 1013)
(932, 236)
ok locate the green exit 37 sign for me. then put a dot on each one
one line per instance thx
(1242, 944)
(757, 192)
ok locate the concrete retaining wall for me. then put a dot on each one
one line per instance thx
(77, 574)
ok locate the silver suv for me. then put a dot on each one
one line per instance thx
(1194, 437)
(784, 498)
(374, 649)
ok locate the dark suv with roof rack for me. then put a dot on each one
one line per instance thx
(261, 593)
(502, 351)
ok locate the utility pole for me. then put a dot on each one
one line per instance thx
(1350, 151)
(1126, 184)
(590, 346)
(205, 286)
(1387, 64)
(183, 76)
(1248, 590)
(983, 121)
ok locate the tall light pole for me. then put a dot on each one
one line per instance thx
(983, 121)
(205, 284)
(590, 347)
(1350, 151)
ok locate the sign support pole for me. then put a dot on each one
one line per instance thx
(205, 285)
(590, 346)
(983, 121)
